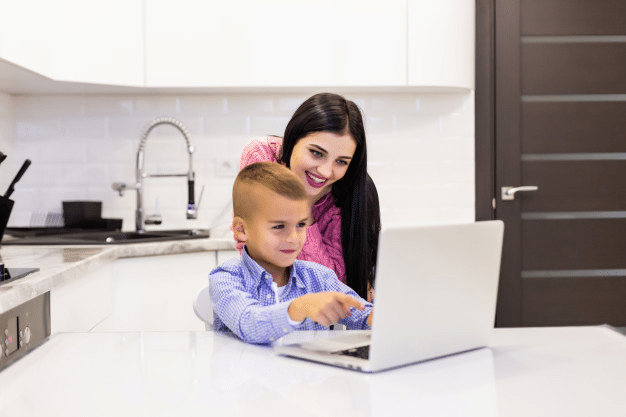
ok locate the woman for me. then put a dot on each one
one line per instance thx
(324, 144)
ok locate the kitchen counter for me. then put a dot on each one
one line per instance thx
(60, 265)
(567, 371)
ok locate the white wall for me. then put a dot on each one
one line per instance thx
(7, 137)
(421, 151)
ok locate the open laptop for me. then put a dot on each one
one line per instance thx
(436, 290)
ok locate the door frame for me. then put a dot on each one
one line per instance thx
(487, 167)
(484, 98)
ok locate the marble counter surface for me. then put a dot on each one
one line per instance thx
(525, 372)
(58, 264)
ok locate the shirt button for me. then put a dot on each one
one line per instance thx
(269, 296)
(285, 329)
(271, 339)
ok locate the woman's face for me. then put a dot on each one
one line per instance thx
(320, 159)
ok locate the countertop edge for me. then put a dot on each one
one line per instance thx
(66, 264)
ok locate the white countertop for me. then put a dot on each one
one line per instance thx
(575, 371)
(61, 264)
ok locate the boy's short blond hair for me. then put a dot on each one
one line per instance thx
(270, 175)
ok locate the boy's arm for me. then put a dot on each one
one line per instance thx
(325, 308)
(360, 318)
(244, 315)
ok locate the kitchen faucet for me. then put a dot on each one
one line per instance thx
(192, 209)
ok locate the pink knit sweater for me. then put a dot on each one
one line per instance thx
(323, 237)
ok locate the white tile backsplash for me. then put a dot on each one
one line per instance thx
(7, 138)
(421, 151)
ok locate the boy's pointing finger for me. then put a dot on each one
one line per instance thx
(351, 302)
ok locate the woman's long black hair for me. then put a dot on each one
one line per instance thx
(355, 194)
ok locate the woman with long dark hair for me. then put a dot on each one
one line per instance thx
(324, 145)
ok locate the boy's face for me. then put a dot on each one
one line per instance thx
(276, 232)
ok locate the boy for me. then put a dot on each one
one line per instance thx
(268, 293)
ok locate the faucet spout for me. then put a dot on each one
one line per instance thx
(191, 210)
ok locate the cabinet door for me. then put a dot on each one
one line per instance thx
(246, 43)
(441, 43)
(156, 293)
(27, 38)
(98, 41)
(83, 303)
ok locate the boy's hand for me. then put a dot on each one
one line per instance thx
(325, 308)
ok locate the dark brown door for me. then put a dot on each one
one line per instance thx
(558, 110)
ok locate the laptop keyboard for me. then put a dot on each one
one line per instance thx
(362, 352)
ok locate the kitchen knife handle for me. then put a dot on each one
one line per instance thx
(21, 172)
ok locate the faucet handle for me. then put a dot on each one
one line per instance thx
(192, 209)
(120, 187)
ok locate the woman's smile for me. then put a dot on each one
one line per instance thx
(314, 180)
(320, 159)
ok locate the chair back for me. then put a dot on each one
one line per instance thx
(203, 307)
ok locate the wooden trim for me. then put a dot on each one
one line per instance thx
(484, 111)
(507, 108)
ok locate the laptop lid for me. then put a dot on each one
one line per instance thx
(436, 290)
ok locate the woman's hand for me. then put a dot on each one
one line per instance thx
(370, 293)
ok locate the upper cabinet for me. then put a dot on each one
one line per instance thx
(441, 43)
(99, 41)
(96, 41)
(274, 43)
(26, 38)
(162, 45)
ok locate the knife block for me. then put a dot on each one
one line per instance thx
(6, 205)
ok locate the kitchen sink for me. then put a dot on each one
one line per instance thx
(100, 237)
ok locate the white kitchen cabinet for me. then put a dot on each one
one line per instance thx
(270, 43)
(98, 41)
(26, 37)
(441, 43)
(84, 303)
(117, 46)
(156, 293)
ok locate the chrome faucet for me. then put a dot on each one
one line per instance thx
(192, 209)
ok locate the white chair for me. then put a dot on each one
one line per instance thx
(203, 307)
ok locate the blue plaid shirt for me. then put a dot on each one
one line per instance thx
(245, 303)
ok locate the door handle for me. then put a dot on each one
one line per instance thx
(508, 193)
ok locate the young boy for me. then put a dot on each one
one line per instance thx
(268, 293)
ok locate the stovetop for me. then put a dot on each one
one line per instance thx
(8, 275)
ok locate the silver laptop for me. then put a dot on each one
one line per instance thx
(436, 290)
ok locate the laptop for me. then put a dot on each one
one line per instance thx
(435, 295)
